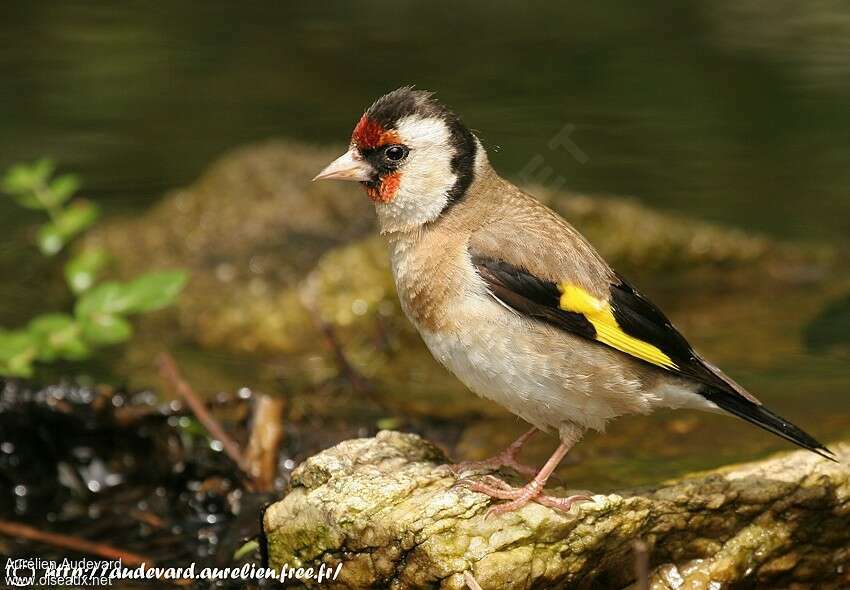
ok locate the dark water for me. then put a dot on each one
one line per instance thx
(728, 111)
(732, 112)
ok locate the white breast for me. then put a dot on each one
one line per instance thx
(545, 376)
(498, 357)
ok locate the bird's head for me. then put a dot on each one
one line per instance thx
(413, 156)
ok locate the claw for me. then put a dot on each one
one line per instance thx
(519, 497)
(530, 492)
(496, 482)
(563, 504)
(499, 490)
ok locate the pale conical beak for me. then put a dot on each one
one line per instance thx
(349, 166)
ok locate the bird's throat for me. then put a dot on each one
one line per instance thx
(385, 188)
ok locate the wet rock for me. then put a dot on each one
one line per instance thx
(385, 510)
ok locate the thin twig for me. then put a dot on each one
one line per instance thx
(16, 529)
(148, 518)
(641, 564)
(169, 372)
(265, 441)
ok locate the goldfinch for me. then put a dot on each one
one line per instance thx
(514, 301)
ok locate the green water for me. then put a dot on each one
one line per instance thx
(735, 115)
(730, 112)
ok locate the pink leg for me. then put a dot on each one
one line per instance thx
(507, 458)
(532, 491)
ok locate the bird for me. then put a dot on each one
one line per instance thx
(515, 302)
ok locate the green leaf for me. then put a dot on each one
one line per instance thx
(62, 188)
(246, 549)
(58, 335)
(103, 329)
(146, 293)
(42, 170)
(155, 290)
(18, 350)
(77, 217)
(31, 187)
(72, 349)
(108, 298)
(17, 179)
(49, 322)
(26, 178)
(20, 182)
(50, 240)
(53, 236)
(82, 270)
(13, 342)
(28, 200)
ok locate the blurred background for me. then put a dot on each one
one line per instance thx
(718, 131)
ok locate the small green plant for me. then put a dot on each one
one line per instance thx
(99, 316)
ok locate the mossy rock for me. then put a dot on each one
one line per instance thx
(388, 510)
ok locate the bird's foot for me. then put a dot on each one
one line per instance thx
(518, 497)
(507, 458)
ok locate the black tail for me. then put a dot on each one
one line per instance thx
(760, 416)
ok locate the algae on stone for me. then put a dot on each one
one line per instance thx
(388, 511)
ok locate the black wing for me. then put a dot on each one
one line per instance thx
(632, 314)
(632, 324)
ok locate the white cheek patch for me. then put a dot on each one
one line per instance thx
(426, 177)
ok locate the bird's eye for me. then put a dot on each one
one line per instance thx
(395, 153)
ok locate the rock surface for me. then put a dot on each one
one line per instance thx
(390, 514)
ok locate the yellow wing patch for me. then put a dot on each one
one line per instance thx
(598, 313)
